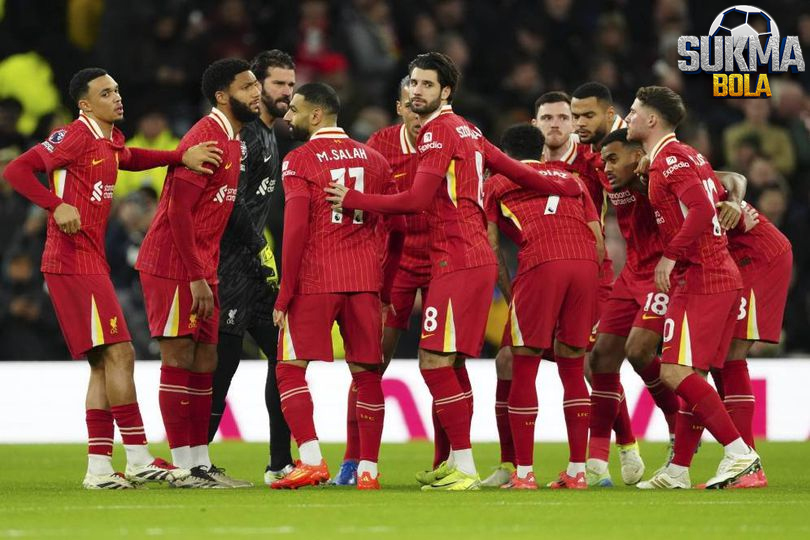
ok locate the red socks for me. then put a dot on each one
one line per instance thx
(665, 398)
(738, 397)
(606, 396)
(576, 405)
(688, 431)
(623, 426)
(296, 402)
(200, 390)
(441, 444)
(130, 424)
(100, 431)
(464, 381)
(502, 421)
(175, 404)
(451, 404)
(352, 433)
(370, 413)
(522, 405)
(707, 407)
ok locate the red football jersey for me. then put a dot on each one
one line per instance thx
(674, 168)
(82, 167)
(344, 250)
(393, 144)
(642, 237)
(159, 255)
(550, 227)
(753, 251)
(451, 147)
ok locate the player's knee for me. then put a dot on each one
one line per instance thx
(119, 356)
(432, 360)
(672, 375)
(638, 355)
(177, 352)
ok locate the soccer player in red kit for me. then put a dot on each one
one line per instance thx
(82, 161)
(696, 271)
(397, 144)
(553, 298)
(331, 272)
(449, 183)
(765, 259)
(178, 267)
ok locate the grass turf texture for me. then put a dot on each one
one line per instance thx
(41, 497)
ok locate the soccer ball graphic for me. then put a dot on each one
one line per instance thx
(739, 22)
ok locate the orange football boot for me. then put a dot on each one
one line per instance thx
(569, 482)
(303, 475)
(365, 481)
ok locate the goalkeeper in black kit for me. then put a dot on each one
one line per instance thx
(248, 271)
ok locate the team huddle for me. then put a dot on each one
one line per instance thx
(419, 208)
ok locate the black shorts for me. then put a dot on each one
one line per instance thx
(245, 302)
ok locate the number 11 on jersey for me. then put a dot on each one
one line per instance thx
(339, 177)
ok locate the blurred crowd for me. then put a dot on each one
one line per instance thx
(509, 51)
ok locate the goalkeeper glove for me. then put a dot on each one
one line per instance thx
(268, 266)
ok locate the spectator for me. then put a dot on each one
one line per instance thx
(774, 141)
(13, 207)
(10, 112)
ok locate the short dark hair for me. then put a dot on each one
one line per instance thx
(322, 95)
(273, 58)
(620, 136)
(594, 89)
(219, 75)
(404, 83)
(665, 101)
(446, 70)
(523, 141)
(80, 82)
(551, 97)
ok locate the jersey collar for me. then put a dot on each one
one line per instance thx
(405, 142)
(571, 155)
(665, 140)
(220, 118)
(93, 126)
(444, 109)
(618, 123)
(331, 132)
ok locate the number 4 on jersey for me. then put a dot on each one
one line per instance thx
(339, 177)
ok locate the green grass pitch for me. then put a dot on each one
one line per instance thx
(41, 497)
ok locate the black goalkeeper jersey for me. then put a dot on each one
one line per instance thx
(258, 196)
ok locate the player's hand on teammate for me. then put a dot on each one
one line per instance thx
(67, 218)
(269, 269)
(728, 214)
(662, 271)
(750, 216)
(202, 299)
(643, 166)
(336, 193)
(198, 155)
(278, 318)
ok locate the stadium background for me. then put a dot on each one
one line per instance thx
(510, 51)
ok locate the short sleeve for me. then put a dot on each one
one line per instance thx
(62, 147)
(436, 146)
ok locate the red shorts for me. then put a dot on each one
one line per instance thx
(168, 308)
(762, 305)
(633, 303)
(603, 292)
(403, 296)
(307, 332)
(554, 295)
(88, 311)
(698, 329)
(454, 316)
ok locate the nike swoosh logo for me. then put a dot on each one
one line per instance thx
(267, 159)
(646, 317)
(97, 161)
(228, 166)
(428, 335)
(184, 402)
(665, 348)
(400, 174)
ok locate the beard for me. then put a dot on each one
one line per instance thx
(428, 107)
(299, 133)
(241, 111)
(273, 105)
